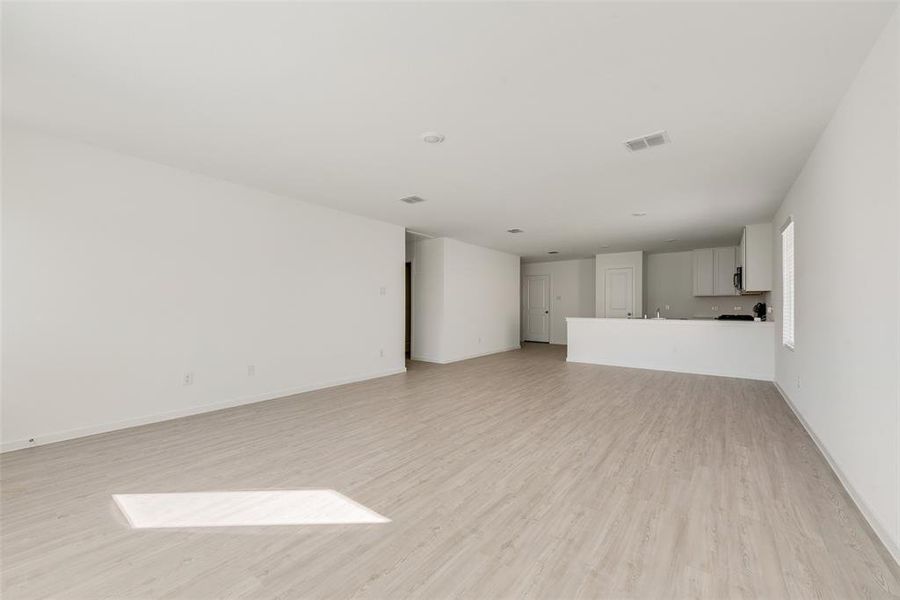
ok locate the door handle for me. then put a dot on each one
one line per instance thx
(546, 312)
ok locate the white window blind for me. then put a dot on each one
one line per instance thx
(787, 284)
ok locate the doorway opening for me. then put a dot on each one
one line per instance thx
(408, 310)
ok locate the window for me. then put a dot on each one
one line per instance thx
(787, 284)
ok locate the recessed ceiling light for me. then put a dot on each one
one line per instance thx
(515, 230)
(670, 241)
(553, 252)
(638, 214)
(412, 199)
(431, 137)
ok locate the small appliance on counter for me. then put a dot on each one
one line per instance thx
(759, 309)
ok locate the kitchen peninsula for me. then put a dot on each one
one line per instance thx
(744, 349)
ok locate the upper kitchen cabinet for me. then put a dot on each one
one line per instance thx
(704, 271)
(724, 259)
(755, 258)
(714, 271)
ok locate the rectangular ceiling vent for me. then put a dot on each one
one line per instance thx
(412, 199)
(647, 141)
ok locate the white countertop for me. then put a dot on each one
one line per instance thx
(677, 321)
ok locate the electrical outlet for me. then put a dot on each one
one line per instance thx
(479, 340)
(715, 308)
(738, 308)
(798, 382)
(382, 291)
(251, 370)
(667, 307)
(188, 378)
(381, 353)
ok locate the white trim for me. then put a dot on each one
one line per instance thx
(427, 358)
(438, 361)
(880, 531)
(80, 432)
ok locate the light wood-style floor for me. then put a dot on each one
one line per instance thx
(509, 476)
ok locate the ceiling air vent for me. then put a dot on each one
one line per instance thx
(647, 141)
(412, 199)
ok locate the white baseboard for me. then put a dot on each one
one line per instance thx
(880, 531)
(70, 434)
(428, 359)
(446, 361)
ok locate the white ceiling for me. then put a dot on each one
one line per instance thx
(326, 103)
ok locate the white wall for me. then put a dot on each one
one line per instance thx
(571, 292)
(121, 275)
(842, 377)
(634, 260)
(481, 300)
(474, 294)
(668, 280)
(428, 300)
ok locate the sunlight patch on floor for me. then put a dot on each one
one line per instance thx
(241, 509)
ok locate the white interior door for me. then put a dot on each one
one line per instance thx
(619, 292)
(537, 308)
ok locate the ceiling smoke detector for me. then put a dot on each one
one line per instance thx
(515, 230)
(647, 141)
(431, 137)
(412, 199)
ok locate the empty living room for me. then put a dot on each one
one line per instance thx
(482, 300)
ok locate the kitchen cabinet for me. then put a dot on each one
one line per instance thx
(755, 257)
(723, 282)
(714, 271)
(704, 270)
